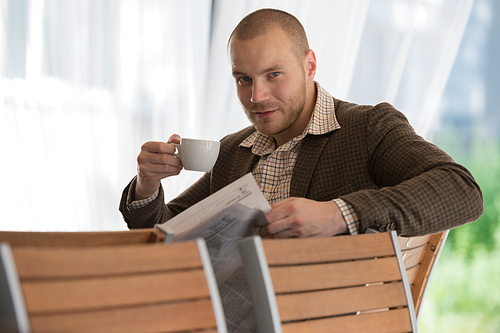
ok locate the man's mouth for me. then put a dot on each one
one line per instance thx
(264, 114)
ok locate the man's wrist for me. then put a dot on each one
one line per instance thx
(140, 193)
(137, 204)
(133, 202)
(350, 216)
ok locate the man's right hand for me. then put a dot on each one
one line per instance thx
(155, 162)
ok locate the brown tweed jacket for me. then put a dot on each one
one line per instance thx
(392, 177)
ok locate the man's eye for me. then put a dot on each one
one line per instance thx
(244, 79)
(274, 74)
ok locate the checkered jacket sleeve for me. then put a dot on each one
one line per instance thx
(395, 179)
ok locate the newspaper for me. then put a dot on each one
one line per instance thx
(244, 191)
(236, 211)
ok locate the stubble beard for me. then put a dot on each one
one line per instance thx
(290, 115)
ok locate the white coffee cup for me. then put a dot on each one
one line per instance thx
(197, 154)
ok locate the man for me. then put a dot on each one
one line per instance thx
(327, 166)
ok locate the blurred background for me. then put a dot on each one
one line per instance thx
(84, 83)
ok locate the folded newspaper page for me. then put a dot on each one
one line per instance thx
(244, 191)
(236, 211)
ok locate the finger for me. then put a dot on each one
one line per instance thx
(159, 170)
(282, 230)
(158, 147)
(174, 138)
(263, 232)
(281, 210)
(157, 165)
(278, 226)
(159, 158)
(285, 234)
(161, 165)
(289, 228)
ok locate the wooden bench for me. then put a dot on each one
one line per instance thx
(119, 288)
(79, 238)
(334, 284)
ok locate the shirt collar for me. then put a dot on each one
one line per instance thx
(322, 121)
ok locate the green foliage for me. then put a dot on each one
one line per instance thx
(464, 292)
(482, 158)
(463, 296)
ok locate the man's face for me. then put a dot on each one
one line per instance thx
(271, 84)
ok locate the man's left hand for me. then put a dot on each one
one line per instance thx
(300, 217)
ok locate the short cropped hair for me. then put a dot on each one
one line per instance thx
(261, 21)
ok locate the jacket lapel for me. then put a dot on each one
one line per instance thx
(244, 163)
(309, 155)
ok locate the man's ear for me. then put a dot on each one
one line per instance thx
(310, 65)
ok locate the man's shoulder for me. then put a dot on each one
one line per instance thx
(347, 111)
(346, 107)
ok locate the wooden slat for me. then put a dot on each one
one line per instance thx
(340, 301)
(155, 318)
(364, 323)
(333, 275)
(424, 269)
(327, 249)
(414, 256)
(413, 242)
(51, 262)
(107, 292)
(77, 239)
(411, 273)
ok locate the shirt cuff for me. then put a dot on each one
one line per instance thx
(350, 216)
(132, 205)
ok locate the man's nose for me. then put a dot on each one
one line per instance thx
(260, 92)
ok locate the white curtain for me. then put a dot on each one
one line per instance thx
(83, 83)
